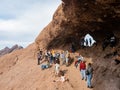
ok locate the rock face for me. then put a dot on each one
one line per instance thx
(7, 50)
(75, 18)
(71, 21)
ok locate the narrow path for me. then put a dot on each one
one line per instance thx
(75, 80)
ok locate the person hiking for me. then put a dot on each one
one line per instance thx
(89, 74)
(82, 42)
(67, 55)
(109, 40)
(57, 68)
(39, 57)
(62, 57)
(57, 55)
(51, 58)
(46, 55)
(113, 41)
(76, 63)
(83, 69)
(105, 43)
(41, 52)
(72, 48)
(53, 54)
(79, 59)
(57, 61)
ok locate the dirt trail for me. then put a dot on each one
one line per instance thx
(74, 77)
(25, 74)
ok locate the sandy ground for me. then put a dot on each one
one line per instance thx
(23, 73)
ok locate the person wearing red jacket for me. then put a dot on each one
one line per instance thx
(83, 69)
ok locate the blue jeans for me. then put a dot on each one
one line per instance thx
(83, 74)
(89, 78)
(51, 60)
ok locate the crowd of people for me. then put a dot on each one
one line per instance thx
(57, 59)
(86, 72)
(53, 58)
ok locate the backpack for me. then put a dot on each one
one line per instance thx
(87, 72)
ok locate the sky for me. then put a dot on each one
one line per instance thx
(22, 20)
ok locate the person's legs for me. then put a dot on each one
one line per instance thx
(46, 58)
(62, 60)
(66, 61)
(89, 78)
(38, 61)
(53, 60)
(82, 74)
(88, 81)
(76, 65)
(57, 71)
(50, 60)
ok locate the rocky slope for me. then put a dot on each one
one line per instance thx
(7, 50)
(19, 71)
(75, 18)
(71, 21)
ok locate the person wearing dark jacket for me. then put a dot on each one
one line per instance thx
(89, 74)
(39, 57)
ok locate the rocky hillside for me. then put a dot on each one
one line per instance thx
(71, 21)
(7, 50)
(75, 18)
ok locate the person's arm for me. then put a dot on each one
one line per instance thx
(85, 66)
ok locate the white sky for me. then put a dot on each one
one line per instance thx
(22, 20)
